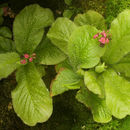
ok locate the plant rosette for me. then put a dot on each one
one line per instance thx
(98, 63)
(31, 99)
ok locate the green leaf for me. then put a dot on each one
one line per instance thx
(117, 94)
(8, 63)
(120, 43)
(64, 64)
(90, 18)
(29, 27)
(98, 106)
(68, 2)
(6, 45)
(93, 81)
(60, 33)
(41, 70)
(65, 80)
(5, 32)
(116, 90)
(123, 66)
(68, 13)
(1, 11)
(49, 54)
(31, 99)
(83, 50)
(125, 124)
(100, 68)
(1, 20)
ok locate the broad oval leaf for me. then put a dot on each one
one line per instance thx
(68, 2)
(65, 80)
(6, 45)
(125, 124)
(117, 91)
(49, 54)
(31, 99)
(90, 18)
(1, 11)
(41, 70)
(8, 63)
(68, 13)
(65, 64)
(60, 33)
(123, 66)
(98, 105)
(1, 20)
(5, 32)
(120, 43)
(29, 27)
(83, 50)
(94, 82)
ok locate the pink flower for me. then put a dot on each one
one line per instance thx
(107, 40)
(104, 34)
(26, 56)
(102, 40)
(30, 59)
(23, 61)
(103, 37)
(95, 36)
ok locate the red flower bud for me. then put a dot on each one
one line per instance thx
(30, 59)
(26, 56)
(23, 61)
(102, 40)
(95, 36)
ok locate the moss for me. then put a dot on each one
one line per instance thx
(113, 8)
(97, 5)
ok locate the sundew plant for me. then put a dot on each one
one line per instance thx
(26, 55)
(98, 63)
